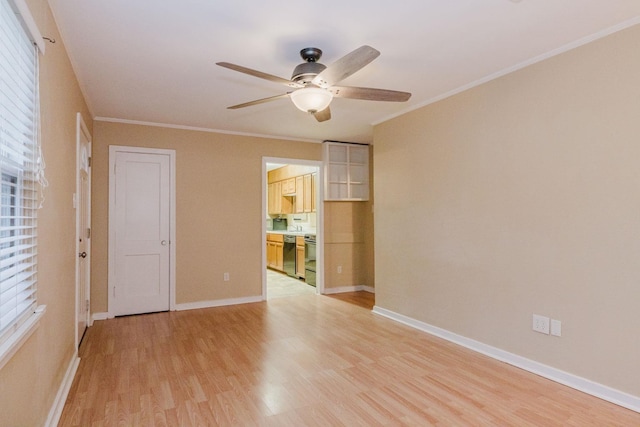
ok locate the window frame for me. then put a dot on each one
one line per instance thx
(14, 164)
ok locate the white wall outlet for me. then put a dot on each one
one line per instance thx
(556, 328)
(339, 269)
(225, 277)
(541, 324)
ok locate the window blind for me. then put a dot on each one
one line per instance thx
(18, 169)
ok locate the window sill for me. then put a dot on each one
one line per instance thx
(20, 336)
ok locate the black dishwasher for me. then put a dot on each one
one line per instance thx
(289, 255)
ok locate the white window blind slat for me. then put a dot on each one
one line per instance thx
(18, 171)
(15, 296)
(26, 277)
(15, 239)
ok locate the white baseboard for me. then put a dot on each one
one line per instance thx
(216, 303)
(582, 384)
(343, 289)
(100, 316)
(61, 397)
(194, 305)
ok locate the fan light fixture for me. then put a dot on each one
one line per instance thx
(311, 99)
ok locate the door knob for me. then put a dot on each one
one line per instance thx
(82, 254)
(163, 243)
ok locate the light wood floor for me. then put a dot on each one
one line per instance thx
(306, 361)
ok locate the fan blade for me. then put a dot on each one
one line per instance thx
(258, 101)
(345, 66)
(259, 74)
(369, 93)
(323, 115)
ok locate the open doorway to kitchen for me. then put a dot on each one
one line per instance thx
(292, 228)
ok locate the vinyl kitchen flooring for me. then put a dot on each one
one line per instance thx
(280, 285)
(312, 360)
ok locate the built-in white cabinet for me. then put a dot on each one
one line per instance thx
(346, 171)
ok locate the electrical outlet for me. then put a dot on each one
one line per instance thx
(339, 269)
(556, 328)
(226, 277)
(541, 324)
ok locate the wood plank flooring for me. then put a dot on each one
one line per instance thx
(306, 361)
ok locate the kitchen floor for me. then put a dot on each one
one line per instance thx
(280, 285)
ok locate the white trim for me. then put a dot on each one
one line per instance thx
(319, 218)
(30, 23)
(562, 49)
(216, 303)
(582, 384)
(11, 346)
(200, 129)
(344, 289)
(82, 129)
(113, 149)
(100, 316)
(61, 397)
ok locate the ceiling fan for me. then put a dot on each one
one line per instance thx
(314, 84)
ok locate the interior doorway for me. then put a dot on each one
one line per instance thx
(292, 231)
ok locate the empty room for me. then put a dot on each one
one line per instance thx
(280, 214)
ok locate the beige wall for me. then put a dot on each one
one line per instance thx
(522, 196)
(218, 208)
(30, 381)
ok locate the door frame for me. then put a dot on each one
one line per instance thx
(113, 150)
(319, 219)
(82, 130)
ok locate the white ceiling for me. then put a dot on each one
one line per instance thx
(154, 60)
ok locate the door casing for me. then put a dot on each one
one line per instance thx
(82, 204)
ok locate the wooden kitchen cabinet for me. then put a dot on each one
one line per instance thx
(308, 194)
(289, 187)
(278, 203)
(275, 251)
(300, 256)
(314, 180)
(271, 199)
(300, 195)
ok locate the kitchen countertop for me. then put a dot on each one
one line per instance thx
(292, 233)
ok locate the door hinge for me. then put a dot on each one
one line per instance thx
(89, 162)
(87, 301)
(88, 233)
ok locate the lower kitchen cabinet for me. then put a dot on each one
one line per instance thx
(275, 251)
(300, 256)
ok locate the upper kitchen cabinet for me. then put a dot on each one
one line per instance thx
(307, 194)
(300, 194)
(346, 171)
(277, 203)
(289, 187)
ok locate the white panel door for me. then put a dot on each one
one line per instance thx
(142, 232)
(83, 228)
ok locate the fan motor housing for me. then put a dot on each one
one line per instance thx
(306, 71)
